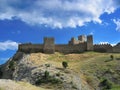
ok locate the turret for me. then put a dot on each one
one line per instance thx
(49, 46)
(90, 43)
(82, 38)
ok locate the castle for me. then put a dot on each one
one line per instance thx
(84, 43)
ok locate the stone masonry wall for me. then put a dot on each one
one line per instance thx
(49, 46)
(74, 46)
(30, 48)
(71, 48)
(116, 48)
(103, 48)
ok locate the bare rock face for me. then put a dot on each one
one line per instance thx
(26, 69)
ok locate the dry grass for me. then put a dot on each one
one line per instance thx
(75, 61)
(12, 85)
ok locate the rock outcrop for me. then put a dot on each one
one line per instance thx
(32, 69)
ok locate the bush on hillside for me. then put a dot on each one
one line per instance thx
(112, 57)
(1, 73)
(46, 74)
(12, 65)
(64, 64)
(106, 84)
(47, 79)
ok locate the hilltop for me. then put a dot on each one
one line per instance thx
(86, 71)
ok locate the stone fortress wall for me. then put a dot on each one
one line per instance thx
(116, 48)
(103, 48)
(30, 48)
(83, 43)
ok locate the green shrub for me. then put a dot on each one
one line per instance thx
(64, 64)
(106, 84)
(74, 87)
(12, 65)
(55, 81)
(1, 73)
(47, 65)
(46, 74)
(58, 74)
(112, 57)
(38, 82)
(47, 79)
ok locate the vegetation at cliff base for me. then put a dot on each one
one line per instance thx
(47, 79)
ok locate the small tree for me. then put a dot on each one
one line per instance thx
(112, 57)
(12, 65)
(46, 74)
(64, 64)
(1, 73)
(106, 84)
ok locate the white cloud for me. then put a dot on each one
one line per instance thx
(113, 44)
(57, 13)
(117, 22)
(104, 43)
(91, 33)
(8, 45)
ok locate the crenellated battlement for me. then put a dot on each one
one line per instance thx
(103, 48)
(81, 39)
(102, 45)
(83, 43)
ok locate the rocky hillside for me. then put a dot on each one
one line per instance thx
(38, 69)
(85, 71)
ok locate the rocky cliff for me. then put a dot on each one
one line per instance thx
(38, 69)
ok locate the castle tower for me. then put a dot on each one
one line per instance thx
(73, 41)
(49, 46)
(82, 38)
(90, 43)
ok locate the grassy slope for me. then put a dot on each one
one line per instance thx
(92, 66)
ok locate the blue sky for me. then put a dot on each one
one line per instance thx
(24, 21)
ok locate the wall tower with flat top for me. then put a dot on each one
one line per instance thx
(49, 46)
(90, 43)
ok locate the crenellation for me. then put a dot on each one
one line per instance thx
(103, 48)
(73, 41)
(82, 38)
(83, 43)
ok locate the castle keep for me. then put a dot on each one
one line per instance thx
(83, 43)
